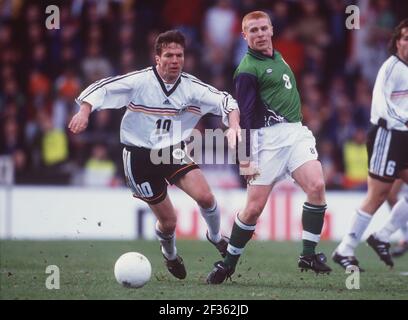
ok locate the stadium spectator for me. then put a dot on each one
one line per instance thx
(355, 161)
(11, 97)
(127, 60)
(280, 18)
(186, 17)
(338, 43)
(220, 27)
(99, 169)
(288, 42)
(53, 142)
(95, 65)
(49, 152)
(67, 87)
(362, 104)
(312, 30)
(11, 136)
(332, 177)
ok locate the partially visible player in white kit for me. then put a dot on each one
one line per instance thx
(387, 147)
(399, 190)
(163, 106)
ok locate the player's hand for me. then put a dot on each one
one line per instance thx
(79, 121)
(249, 170)
(234, 134)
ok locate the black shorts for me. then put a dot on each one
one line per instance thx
(148, 179)
(387, 153)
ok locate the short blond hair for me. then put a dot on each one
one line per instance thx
(254, 15)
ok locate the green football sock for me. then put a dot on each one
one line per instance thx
(312, 221)
(240, 235)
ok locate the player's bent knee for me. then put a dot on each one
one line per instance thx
(168, 228)
(168, 225)
(206, 200)
(392, 199)
(316, 189)
(317, 186)
(253, 211)
(378, 192)
(381, 196)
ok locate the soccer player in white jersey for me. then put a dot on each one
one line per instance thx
(388, 154)
(399, 189)
(163, 106)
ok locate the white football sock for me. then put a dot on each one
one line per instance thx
(213, 220)
(350, 241)
(404, 230)
(398, 219)
(168, 243)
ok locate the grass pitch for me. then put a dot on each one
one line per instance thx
(267, 270)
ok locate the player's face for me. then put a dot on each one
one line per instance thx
(170, 62)
(402, 45)
(258, 33)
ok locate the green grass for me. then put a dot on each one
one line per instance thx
(267, 270)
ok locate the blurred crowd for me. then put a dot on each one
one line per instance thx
(42, 71)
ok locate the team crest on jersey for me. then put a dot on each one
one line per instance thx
(183, 108)
(178, 154)
(269, 71)
(166, 101)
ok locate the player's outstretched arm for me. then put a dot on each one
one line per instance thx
(79, 121)
(234, 130)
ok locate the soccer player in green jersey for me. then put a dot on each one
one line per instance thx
(280, 146)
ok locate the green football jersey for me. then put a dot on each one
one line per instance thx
(277, 98)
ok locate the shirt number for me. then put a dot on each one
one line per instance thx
(144, 190)
(286, 78)
(390, 168)
(163, 125)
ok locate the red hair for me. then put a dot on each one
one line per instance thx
(253, 16)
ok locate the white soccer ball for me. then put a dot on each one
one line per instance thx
(132, 270)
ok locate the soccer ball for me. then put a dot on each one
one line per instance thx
(132, 270)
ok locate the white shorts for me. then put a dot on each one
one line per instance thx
(281, 149)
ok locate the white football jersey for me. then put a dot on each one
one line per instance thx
(390, 94)
(158, 114)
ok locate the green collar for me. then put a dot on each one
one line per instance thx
(260, 55)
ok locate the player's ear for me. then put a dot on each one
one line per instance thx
(244, 35)
(157, 59)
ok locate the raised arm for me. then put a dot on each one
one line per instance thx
(234, 130)
(222, 103)
(80, 120)
(109, 93)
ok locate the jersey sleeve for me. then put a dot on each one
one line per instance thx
(390, 91)
(110, 93)
(213, 101)
(246, 88)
